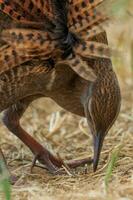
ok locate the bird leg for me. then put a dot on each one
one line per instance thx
(12, 121)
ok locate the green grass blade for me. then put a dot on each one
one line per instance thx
(110, 167)
(4, 181)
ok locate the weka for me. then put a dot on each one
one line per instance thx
(97, 99)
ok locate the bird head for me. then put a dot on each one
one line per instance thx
(102, 105)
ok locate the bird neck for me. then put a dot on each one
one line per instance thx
(100, 66)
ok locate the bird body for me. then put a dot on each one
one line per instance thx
(28, 71)
(98, 99)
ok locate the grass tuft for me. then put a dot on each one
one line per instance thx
(5, 185)
(111, 166)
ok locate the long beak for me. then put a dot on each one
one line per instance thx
(98, 143)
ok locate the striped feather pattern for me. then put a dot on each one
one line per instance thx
(65, 26)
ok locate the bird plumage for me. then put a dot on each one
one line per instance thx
(65, 25)
(29, 74)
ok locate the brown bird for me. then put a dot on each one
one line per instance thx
(97, 99)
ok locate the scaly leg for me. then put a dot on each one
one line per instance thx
(11, 119)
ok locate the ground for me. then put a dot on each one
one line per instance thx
(69, 136)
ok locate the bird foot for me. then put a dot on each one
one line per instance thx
(51, 163)
(79, 162)
(55, 164)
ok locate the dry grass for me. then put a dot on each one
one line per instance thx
(68, 135)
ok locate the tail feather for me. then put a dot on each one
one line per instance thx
(26, 12)
(34, 43)
(68, 25)
(87, 35)
(92, 3)
(9, 8)
(26, 37)
(80, 67)
(32, 8)
(80, 7)
(85, 51)
(12, 56)
(87, 20)
(87, 17)
(44, 6)
(76, 6)
(93, 49)
(19, 10)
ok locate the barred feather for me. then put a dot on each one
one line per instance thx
(26, 37)
(95, 49)
(78, 65)
(85, 13)
(25, 11)
(10, 57)
(57, 25)
(9, 8)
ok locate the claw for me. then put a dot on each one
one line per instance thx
(56, 165)
(52, 164)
